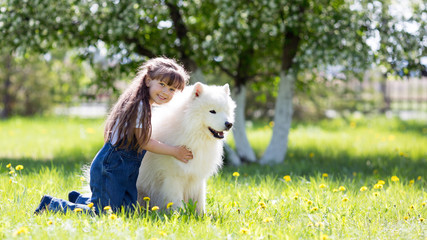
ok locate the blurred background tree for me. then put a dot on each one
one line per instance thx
(268, 49)
(32, 84)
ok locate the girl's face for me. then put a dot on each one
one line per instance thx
(160, 92)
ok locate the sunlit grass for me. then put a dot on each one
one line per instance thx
(340, 180)
(43, 141)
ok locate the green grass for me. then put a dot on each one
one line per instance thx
(259, 203)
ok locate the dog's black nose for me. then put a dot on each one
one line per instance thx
(228, 125)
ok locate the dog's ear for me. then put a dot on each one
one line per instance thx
(227, 89)
(198, 89)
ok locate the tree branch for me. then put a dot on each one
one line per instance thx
(182, 34)
(226, 71)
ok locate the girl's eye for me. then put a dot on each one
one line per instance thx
(212, 111)
(172, 89)
(162, 84)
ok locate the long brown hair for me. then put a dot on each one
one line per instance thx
(123, 115)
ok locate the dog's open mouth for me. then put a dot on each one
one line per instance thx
(217, 134)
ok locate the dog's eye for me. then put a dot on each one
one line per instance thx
(212, 111)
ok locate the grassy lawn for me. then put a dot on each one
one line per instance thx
(329, 186)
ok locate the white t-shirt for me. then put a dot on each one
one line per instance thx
(114, 135)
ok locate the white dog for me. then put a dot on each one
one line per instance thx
(197, 119)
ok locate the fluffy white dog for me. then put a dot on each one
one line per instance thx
(197, 118)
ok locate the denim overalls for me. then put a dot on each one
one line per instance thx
(113, 176)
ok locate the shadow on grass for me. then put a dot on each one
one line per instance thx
(298, 162)
(67, 161)
(301, 163)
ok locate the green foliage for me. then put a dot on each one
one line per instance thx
(250, 42)
(245, 39)
(256, 203)
(35, 83)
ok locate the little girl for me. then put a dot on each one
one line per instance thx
(114, 170)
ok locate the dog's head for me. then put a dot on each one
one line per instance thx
(214, 108)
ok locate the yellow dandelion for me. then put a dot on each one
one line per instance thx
(345, 199)
(419, 178)
(268, 219)
(163, 233)
(412, 207)
(311, 155)
(423, 204)
(325, 175)
(401, 154)
(376, 194)
(21, 230)
(309, 202)
(364, 188)
(155, 208)
(319, 224)
(147, 199)
(78, 210)
(244, 231)
(90, 205)
(322, 186)
(90, 130)
(378, 186)
(262, 205)
(19, 167)
(381, 182)
(341, 188)
(169, 205)
(9, 165)
(50, 222)
(295, 197)
(314, 209)
(11, 172)
(335, 190)
(287, 178)
(236, 174)
(394, 179)
(112, 216)
(421, 219)
(323, 237)
(10, 181)
(406, 218)
(411, 182)
(107, 208)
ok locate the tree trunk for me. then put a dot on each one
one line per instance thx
(386, 97)
(243, 148)
(7, 99)
(232, 155)
(197, 76)
(276, 150)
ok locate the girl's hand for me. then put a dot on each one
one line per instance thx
(179, 152)
(183, 154)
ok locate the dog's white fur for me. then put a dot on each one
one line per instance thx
(185, 121)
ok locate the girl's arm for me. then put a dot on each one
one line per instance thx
(179, 152)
